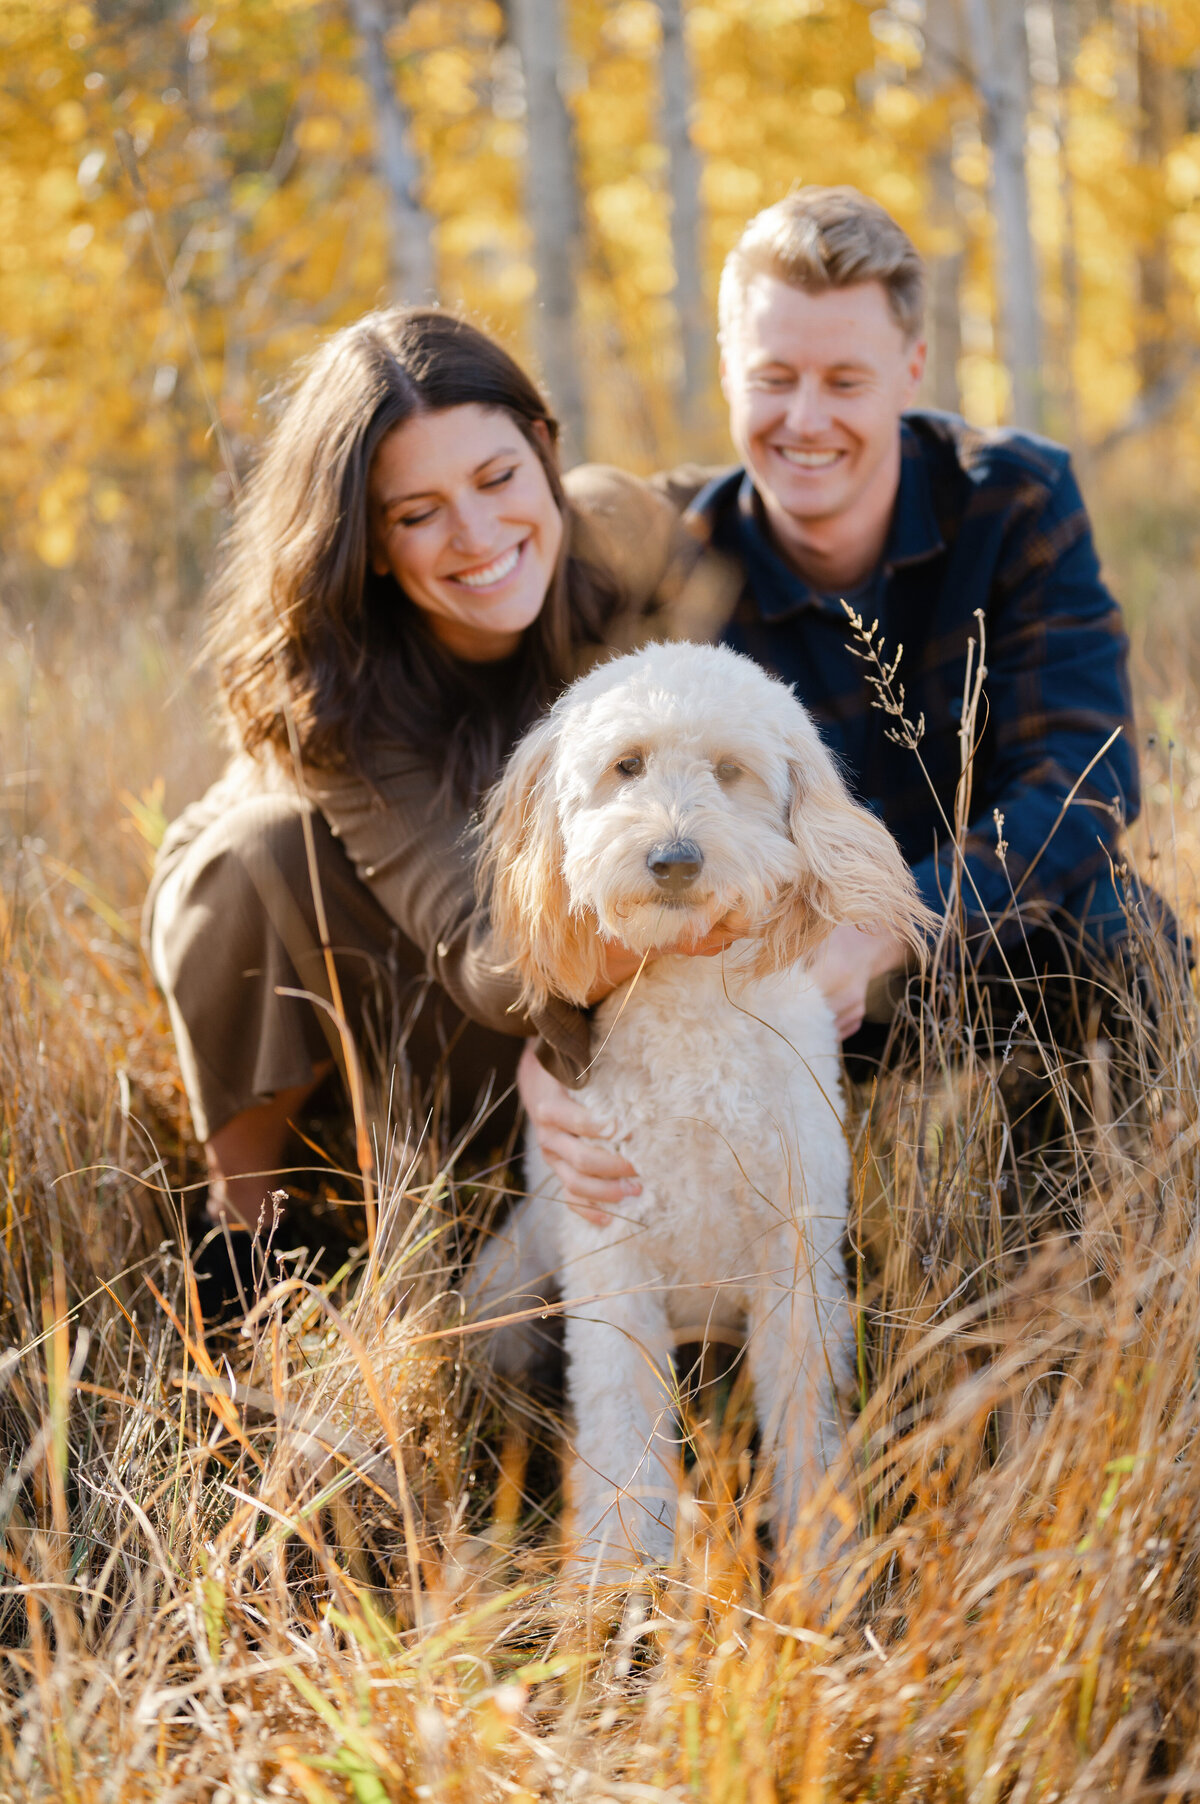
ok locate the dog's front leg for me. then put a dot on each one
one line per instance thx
(798, 1355)
(514, 1274)
(624, 1481)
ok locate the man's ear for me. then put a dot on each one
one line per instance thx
(918, 351)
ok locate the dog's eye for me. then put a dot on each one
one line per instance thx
(727, 770)
(633, 766)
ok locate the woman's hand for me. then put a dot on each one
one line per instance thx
(845, 966)
(573, 1144)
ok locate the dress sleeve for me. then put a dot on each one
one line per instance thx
(1063, 777)
(668, 581)
(411, 852)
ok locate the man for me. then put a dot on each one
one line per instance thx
(847, 500)
(964, 547)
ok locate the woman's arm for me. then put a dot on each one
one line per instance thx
(669, 584)
(593, 1177)
(411, 852)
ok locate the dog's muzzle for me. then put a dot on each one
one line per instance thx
(675, 867)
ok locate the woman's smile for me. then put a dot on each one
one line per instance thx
(463, 517)
(493, 575)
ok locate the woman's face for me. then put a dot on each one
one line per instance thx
(461, 514)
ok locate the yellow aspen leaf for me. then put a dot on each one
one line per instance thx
(70, 121)
(514, 284)
(446, 81)
(1182, 171)
(731, 187)
(55, 545)
(58, 498)
(487, 18)
(635, 27)
(896, 106)
(830, 103)
(320, 132)
(57, 192)
(656, 278)
(705, 26)
(897, 191)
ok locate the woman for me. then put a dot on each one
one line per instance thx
(404, 588)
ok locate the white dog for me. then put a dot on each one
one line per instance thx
(666, 792)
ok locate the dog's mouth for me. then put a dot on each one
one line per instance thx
(669, 918)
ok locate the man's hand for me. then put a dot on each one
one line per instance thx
(620, 964)
(573, 1144)
(844, 967)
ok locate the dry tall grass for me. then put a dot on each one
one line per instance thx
(317, 1561)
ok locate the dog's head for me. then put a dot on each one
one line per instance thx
(665, 793)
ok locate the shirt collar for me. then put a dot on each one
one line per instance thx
(733, 516)
(777, 588)
(914, 533)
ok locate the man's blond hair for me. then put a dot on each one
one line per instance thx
(821, 238)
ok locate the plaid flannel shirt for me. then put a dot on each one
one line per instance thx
(985, 523)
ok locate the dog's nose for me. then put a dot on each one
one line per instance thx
(675, 867)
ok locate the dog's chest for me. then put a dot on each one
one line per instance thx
(722, 1089)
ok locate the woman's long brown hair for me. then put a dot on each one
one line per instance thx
(302, 625)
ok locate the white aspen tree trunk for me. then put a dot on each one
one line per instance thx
(1061, 45)
(552, 204)
(1154, 265)
(943, 66)
(412, 273)
(998, 47)
(696, 327)
(227, 273)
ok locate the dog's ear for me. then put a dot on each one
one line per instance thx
(851, 867)
(520, 879)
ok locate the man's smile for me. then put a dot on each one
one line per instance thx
(808, 460)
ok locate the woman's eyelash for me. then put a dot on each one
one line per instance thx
(492, 482)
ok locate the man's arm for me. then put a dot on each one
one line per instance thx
(1062, 777)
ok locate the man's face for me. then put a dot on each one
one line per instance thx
(816, 384)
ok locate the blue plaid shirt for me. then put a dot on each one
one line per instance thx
(990, 522)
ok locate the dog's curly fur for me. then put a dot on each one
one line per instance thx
(720, 1075)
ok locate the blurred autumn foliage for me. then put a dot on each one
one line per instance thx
(572, 172)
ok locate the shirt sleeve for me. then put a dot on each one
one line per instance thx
(1062, 778)
(412, 853)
